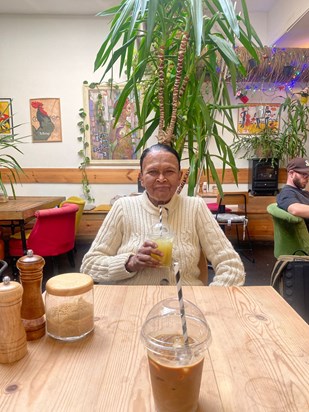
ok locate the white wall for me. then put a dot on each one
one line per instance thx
(51, 56)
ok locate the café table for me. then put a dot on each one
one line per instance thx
(21, 210)
(258, 359)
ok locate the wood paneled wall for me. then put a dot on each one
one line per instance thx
(108, 176)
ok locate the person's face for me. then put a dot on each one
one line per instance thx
(300, 180)
(160, 176)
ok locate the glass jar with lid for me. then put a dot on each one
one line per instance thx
(69, 306)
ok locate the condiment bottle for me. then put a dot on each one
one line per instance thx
(13, 342)
(32, 309)
(69, 306)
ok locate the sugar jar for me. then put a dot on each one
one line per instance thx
(69, 306)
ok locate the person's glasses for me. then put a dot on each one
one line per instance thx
(304, 175)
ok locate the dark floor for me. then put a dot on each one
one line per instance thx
(258, 273)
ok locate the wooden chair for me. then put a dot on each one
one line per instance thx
(238, 218)
(203, 266)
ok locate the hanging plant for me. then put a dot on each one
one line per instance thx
(85, 161)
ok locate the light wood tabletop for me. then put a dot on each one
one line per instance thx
(24, 207)
(258, 359)
(20, 210)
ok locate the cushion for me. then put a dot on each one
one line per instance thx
(213, 207)
(230, 218)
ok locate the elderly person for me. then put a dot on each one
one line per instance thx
(293, 197)
(121, 252)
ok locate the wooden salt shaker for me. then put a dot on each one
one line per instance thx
(13, 342)
(32, 309)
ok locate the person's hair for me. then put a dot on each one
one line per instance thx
(158, 148)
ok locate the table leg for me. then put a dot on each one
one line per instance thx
(23, 236)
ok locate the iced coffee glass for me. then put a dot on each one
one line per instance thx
(175, 367)
(163, 237)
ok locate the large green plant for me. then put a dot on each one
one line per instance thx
(9, 142)
(294, 129)
(178, 56)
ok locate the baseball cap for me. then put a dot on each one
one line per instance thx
(298, 165)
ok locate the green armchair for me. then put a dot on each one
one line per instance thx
(290, 232)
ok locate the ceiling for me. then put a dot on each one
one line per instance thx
(88, 7)
(297, 36)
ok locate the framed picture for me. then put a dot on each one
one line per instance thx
(45, 120)
(110, 143)
(6, 118)
(254, 118)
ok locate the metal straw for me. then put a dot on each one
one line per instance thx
(181, 304)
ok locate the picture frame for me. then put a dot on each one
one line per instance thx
(6, 117)
(254, 118)
(45, 119)
(110, 144)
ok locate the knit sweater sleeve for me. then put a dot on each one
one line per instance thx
(228, 267)
(102, 261)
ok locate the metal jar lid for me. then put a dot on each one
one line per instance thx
(69, 284)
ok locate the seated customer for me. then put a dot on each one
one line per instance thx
(293, 197)
(121, 252)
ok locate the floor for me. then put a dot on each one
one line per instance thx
(258, 273)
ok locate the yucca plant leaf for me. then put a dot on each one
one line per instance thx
(228, 10)
(118, 54)
(197, 23)
(225, 47)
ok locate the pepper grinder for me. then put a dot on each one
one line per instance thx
(30, 269)
(13, 341)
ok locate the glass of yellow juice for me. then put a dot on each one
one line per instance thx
(164, 239)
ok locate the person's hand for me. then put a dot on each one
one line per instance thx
(143, 257)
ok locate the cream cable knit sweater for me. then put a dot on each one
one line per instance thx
(126, 226)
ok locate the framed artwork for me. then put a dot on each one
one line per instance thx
(254, 118)
(6, 118)
(45, 120)
(110, 143)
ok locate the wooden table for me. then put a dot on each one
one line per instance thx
(258, 359)
(22, 209)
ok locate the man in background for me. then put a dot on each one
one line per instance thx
(293, 197)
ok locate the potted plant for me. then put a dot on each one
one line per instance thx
(295, 127)
(281, 144)
(8, 141)
(178, 58)
(263, 145)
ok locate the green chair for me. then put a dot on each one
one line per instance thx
(290, 232)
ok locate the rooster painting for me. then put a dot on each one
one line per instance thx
(46, 126)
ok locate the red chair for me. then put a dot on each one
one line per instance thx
(53, 234)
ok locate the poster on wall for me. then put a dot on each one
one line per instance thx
(110, 143)
(254, 118)
(45, 120)
(6, 118)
